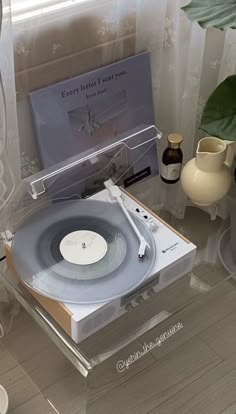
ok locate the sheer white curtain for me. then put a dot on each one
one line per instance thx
(187, 64)
(9, 143)
(9, 148)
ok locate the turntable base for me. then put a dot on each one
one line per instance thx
(174, 258)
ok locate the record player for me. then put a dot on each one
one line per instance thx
(86, 248)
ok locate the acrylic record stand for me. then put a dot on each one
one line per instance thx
(137, 363)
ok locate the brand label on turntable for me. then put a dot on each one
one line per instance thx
(83, 247)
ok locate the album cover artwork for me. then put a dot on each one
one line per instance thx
(84, 112)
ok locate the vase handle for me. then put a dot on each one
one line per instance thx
(231, 153)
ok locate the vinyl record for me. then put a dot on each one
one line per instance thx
(45, 247)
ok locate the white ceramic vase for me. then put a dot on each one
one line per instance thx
(207, 178)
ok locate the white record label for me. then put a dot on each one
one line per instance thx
(83, 247)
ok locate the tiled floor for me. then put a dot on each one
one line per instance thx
(193, 373)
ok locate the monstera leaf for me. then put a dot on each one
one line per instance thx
(212, 13)
(219, 115)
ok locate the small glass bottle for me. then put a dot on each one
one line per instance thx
(172, 159)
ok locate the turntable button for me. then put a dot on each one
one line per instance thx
(129, 307)
(151, 292)
(140, 300)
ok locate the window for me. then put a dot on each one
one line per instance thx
(26, 9)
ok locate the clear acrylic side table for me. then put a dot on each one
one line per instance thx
(153, 334)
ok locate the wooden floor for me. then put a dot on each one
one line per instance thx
(194, 371)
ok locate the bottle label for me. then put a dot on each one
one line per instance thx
(171, 172)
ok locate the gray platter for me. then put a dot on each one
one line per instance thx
(39, 263)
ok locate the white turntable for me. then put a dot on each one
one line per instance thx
(174, 257)
(88, 261)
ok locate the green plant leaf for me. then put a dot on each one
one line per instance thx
(219, 115)
(212, 13)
